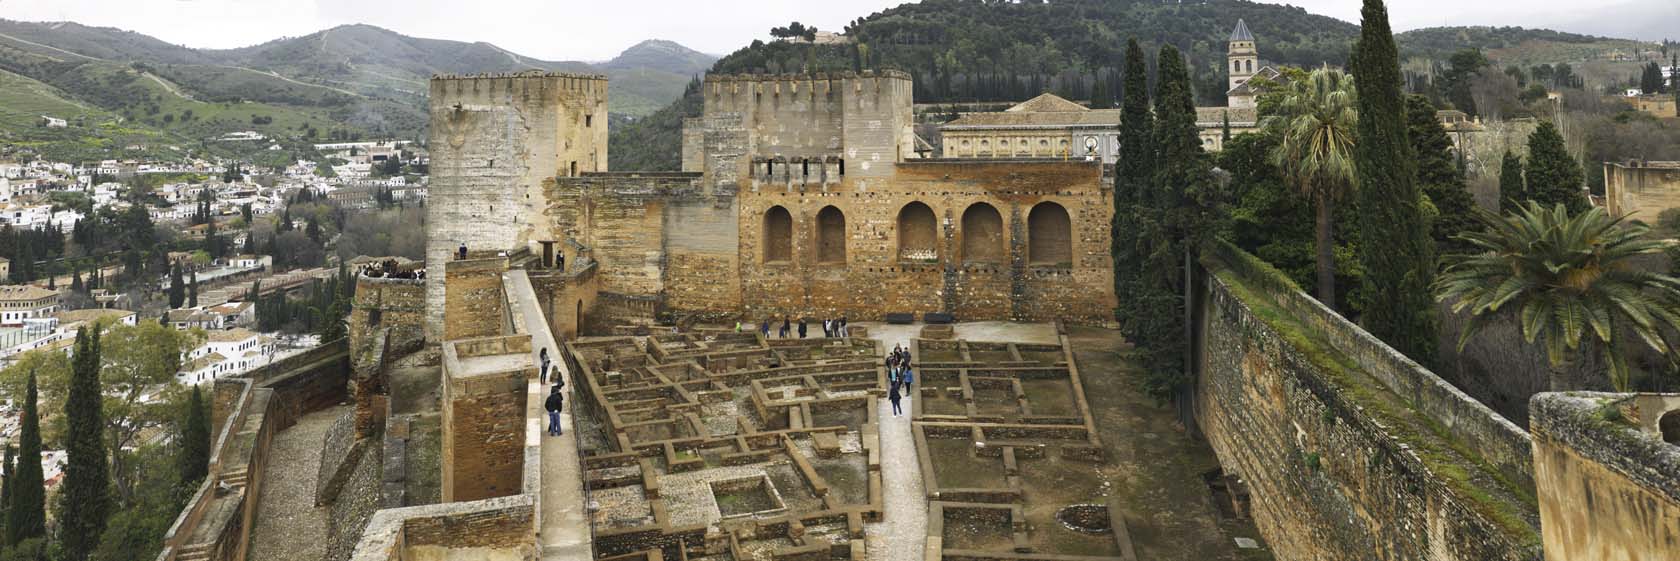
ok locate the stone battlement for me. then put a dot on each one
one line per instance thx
(533, 73)
(807, 77)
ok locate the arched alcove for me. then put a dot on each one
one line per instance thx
(831, 235)
(918, 233)
(778, 235)
(982, 234)
(1049, 235)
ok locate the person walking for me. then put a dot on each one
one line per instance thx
(892, 395)
(785, 325)
(801, 328)
(553, 406)
(542, 375)
(909, 377)
(764, 328)
(827, 330)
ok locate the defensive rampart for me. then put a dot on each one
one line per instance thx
(1350, 450)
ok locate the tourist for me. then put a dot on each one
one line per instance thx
(542, 375)
(786, 324)
(801, 328)
(737, 326)
(844, 331)
(908, 377)
(461, 254)
(764, 328)
(892, 395)
(553, 407)
(827, 331)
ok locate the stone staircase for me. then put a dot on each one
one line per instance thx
(194, 552)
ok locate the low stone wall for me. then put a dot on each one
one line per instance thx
(340, 450)
(317, 385)
(237, 462)
(355, 505)
(1338, 466)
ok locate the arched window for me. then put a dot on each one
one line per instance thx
(1250, 65)
(1236, 66)
(982, 231)
(778, 235)
(918, 236)
(1049, 235)
(1669, 424)
(831, 235)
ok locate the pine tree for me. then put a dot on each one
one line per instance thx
(1396, 251)
(1554, 177)
(26, 515)
(177, 287)
(86, 491)
(1511, 190)
(1133, 171)
(195, 441)
(1439, 176)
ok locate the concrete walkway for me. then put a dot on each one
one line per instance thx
(902, 533)
(564, 535)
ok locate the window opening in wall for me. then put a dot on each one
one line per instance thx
(574, 168)
(918, 233)
(588, 120)
(778, 235)
(1669, 424)
(831, 235)
(1049, 235)
(805, 166)
(842, 166)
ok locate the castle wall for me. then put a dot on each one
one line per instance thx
(494, 138)
(484, 395)
(1339, 467)
(1607, 492)
(1642, 189)
(474, 299)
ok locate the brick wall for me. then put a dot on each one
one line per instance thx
(474, 300)
(484, 416)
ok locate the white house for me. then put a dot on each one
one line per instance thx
(19, 302)
(55, 122)
(226, 353)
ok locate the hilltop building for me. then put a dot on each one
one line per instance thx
(1048, 126)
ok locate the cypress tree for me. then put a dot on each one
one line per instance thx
(26, 516)
(192, 291)
(1439, 176)
(86, 493)
(1133, 170)
(195, 441)
(1396, 251)
(6, 488)
(177, 289)
(1511, 190)
(1553, 175)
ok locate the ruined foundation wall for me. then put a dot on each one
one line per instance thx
(494, 139)
(1642, 189)
(1328, 479)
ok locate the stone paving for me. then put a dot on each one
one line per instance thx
(564, 534)
(289, 525)
(902, 533)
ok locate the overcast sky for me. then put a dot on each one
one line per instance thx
(599, 29)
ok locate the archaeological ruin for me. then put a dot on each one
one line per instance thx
(692, 434)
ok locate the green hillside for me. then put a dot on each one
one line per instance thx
(964, 51)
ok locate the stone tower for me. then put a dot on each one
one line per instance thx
(1242, 56)
(494, 139)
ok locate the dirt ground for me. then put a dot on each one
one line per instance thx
(1154, 465)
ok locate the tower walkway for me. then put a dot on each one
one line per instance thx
(563, 534)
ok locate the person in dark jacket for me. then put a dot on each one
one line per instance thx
(801, 328)
(893, 396)
(553, 407)
(786, 325)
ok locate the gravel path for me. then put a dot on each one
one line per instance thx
(288, 526)
(902, 533)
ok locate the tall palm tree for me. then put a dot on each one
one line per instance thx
(1569, 280)
(1317, 118)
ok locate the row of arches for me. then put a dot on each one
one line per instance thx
(1049, 234)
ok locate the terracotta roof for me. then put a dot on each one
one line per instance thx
(25, 292)
(230, 335)
(1045, 103)
(92, 314)
(1050, 119)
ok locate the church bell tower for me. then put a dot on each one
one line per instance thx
(1242, 59)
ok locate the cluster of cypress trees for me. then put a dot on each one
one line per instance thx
(1166, 204)
(86, 502)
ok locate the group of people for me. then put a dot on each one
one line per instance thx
(900, 375)
(390, 269)
(830, 327)
(554, 401)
